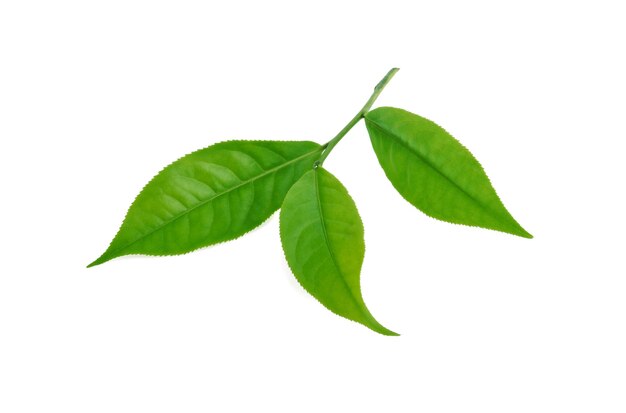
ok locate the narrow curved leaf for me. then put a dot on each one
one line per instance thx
(209, 196)
(435, 173)
(322, 236)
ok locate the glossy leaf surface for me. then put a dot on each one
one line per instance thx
(212, 195)
(322, 236)
(435, 173)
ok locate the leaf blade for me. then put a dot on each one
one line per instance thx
(435, 172)
(322, 237)
(210, 196)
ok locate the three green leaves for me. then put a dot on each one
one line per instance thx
(221, 192)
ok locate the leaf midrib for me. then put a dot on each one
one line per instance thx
(431, 166)
(200, 204)
(330, 251)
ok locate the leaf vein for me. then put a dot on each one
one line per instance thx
(202, 203)
(327, 241)
(431, 166)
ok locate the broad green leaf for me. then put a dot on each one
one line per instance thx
(209, 196)
(322, 236)
(435, 173)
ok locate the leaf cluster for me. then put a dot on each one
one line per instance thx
(221, 192)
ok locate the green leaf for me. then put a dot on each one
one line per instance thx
(322, 236)
(435, 173)
(209, 196)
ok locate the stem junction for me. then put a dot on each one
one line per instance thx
(328, 147)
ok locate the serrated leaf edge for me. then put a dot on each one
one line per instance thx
(369, 121)
(102, 259)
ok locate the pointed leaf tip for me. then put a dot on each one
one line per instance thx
(93, 264)
(386, 332)
(100, 260)
(527, 234)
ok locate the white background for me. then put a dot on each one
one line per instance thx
(96, 97)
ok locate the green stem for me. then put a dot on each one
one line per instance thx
(328, 147)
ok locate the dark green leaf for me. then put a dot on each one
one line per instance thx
(435, 173)
(322, 236)
(209, 196)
